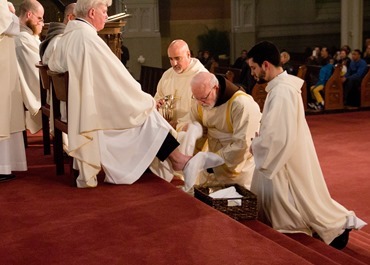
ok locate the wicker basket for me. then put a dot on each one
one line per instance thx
(247, 210)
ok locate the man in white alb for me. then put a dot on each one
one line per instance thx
(288, 181)
(12, 152)
(27, 44)
(176, 80)
(112, 123)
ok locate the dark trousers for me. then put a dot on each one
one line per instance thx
(168, 146)
(351, 92)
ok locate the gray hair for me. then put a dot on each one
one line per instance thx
(204, 79)
(83, 6)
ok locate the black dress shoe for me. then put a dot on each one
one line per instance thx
(6, 177)
(341, 241)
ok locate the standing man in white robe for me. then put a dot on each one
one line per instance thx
(12, 152)
(176, 80)
(231, 118)
(27, 44)
(112, 123)
(288, 181)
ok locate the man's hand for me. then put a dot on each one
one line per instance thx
(173, 124)
(250, 147)
(160, 103)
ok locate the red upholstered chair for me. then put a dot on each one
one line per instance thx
(45, 107)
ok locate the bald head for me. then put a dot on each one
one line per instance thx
(179, 44)
(179, 55)
(31, 14)
(29, 6)
(68, 13)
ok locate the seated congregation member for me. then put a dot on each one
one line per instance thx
(231, 118)
(315, 57)
(27, 44)
(325, 73)
(344, 58)
(176, 80)
(112, 123)
(284, 59)
(240, 60)
(352, 79)
(288, 181)
(12, 152)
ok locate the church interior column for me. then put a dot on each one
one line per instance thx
(243, 34)
(352, 23)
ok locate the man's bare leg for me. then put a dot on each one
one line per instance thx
(178, 160)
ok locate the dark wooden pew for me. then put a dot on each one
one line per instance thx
(232, 74)
(365, 89)
(333, 91)
(302, 72)
(259, 93)
(149, 78)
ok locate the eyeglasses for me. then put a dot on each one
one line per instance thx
(40, 19)
(204, 98)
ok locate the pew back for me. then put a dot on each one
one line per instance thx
(232, 74)
(333, 90)
(259, 94)
(45, 107)
(60, 93)
(149, 78)
(365, 89)
(302, 72)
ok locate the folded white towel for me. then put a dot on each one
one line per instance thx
(201, 161)
(188, 139)
(228, 193)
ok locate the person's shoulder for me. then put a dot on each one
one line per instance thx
(244, 102)
(240, 97)
(287, 80)
(169, 72)
(26, 39)
(196, 66)
(363, 62)
(327, 67)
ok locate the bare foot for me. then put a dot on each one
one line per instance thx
(178, 160)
